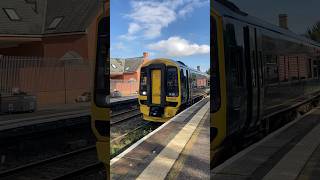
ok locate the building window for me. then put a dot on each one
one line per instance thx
(55, 22)
(12, 14)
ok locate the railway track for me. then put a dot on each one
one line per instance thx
(119, 138)
(56, 167)
(124, 116)
(67, 165)
(17, 121)
(122, 142)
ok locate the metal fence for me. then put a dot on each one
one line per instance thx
(51, 80)
(124, 87)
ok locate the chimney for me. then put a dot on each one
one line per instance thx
(198, 68)
(145, 55)
(283, 21)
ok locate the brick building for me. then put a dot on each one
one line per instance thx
(125, 74)
(51, 31)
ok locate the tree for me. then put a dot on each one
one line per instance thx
(314, 32)
(208, 71)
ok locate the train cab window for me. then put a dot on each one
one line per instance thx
(102, 71)
(214, 68)
(143, 82)
(172, 82)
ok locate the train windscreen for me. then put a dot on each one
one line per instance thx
(102, 76)
(143, 82)
(214, 68)
(172, 82)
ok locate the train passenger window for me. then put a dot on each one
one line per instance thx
(234, 57)
(214, 68)
(236, 68)
(143, 82)
(172, 82)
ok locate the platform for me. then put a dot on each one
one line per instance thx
(171, 150)
(290, 153)
(123, 99)
(51, 117)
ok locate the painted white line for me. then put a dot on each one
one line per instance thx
(161, 165)
(244, 152)
(115, 159)
(289, 167)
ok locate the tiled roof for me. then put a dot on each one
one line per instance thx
(125, 65)
(37, 15)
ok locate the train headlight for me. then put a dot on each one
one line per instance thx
(144, 93)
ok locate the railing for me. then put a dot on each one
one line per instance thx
(51, 80)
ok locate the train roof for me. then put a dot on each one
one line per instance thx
(228, 9)
(181, 64)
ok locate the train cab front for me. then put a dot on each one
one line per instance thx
(159, 91)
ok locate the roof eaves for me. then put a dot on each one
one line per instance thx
(44, 16)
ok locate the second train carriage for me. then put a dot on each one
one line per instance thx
(257, 69)
(168, 86)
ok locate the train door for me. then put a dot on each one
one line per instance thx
(156, 91)
(236, 89)
(187, 87)
(252, 76)
(156, 86)
(184, 86)
(260, 76)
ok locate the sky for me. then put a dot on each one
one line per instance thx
(301, 13)
(175, 29)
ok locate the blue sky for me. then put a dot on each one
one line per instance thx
(176, 29)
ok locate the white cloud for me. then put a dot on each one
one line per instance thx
(149, 17)
(133, 28)
(128, 37)
(176, 46)
(189, 7)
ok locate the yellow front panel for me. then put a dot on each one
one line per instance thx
(156, 86)
(218, 119)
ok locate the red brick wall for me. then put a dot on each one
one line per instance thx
(59, 46)
(24, 49)
(129, 76)
(201, 82)
(49, 85)
(293, 67)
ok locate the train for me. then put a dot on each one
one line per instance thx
(258, 70)
(100, 105)
(166, 87)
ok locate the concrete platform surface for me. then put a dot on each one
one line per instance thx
(194, 161)
(290, 153)
(154, 156)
